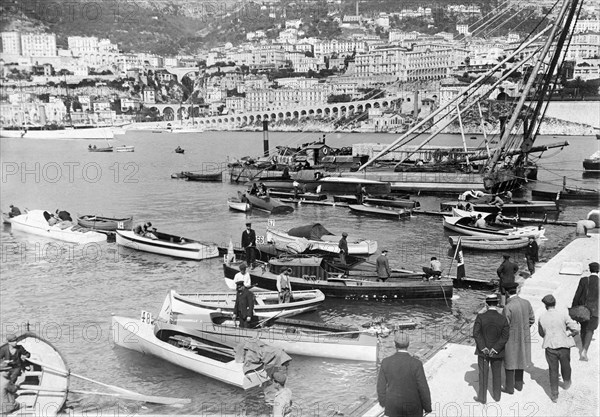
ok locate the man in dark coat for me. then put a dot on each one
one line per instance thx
(520, 316)
(13, 356)
(14, 211)
(343, 245)
(244, 305)
(64, 215)
(491, 334)
(587, 295)
(506, 272)
(249, 244)
(402, 388)
(382, 266)
(531, 254)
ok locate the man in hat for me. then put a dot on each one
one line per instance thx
(14, 211)
(506, 272)
(587, 295)
(249, 244)
(502, 96)
(520, 316)
(284, 287)
(13, 356)
(557, 328)
(402, 388)
(243, 276)
(282, 403)
(491, 334)
(343, 245)
(382, 266)
(531, 254)
(244, 305)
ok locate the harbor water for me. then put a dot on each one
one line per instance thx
(68, 293)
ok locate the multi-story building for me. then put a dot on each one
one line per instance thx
(149, 96)
(584, 46)
(396, 35)
(92, 51)
(587, 25)
(236, 104)
(334, 46)
(11, 43)
(271, 99)
(38, 45)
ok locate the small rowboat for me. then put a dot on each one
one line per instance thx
(268, 204)
(212, 177)
(44, 385)
(297, 337)
(300, 196)
(124, 148)
(35, 223)
(379, 201)
(568, 194)
(378, 211)
(179, 150)
(524, 206)
(179, 346)
(490, 242)
(267, 303)
(169, 245)
(96, 149)
(239, 203)
(463, 225)
(104, 223)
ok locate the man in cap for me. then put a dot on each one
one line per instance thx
(520, 316)
(490, 332)
(284, 287)
(14, 211)
(282, 403)
(557, 328)
(506, 272)
(343, 245)
(382, 266)
(402, 388)
(244, 305)
(531, 254)
(434, 269)
(249, 244)
(243, 276)
(587, 295)
(13, 356)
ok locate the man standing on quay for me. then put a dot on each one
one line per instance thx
(402, 388)
(520, 316)
(506, 272)
(587, 295)
(491, 334)
(531, 254)
(249, 244)
(557, 328)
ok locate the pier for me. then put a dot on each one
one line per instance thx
(452, 371)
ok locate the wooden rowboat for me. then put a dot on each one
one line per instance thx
(267, 303)
(268, 204)
(169, 245)
(524, 206)
(300, 196)
(379, 201)
(175, 344)
(104, 223)
(124, 148)
(463, 225)
(105, 149)
(568, 194)
(378, 211)
(44, 385)
(490, 242)
(204, 177)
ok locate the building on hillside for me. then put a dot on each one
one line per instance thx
(588, 25)
(584, 46)
(271, 99)
(396, 35)
(236, 104)
(128, 104)
(149, 96)
(463, 30)
(11, 43)
(38, 45)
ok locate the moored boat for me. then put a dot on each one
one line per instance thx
(568, 194)
(463, 225)
(490, 242)
(43, 386)
(316, 237)
(124, 148)
(204, 177)
(269, 204)
(179, 150)
(266, 303)
(307, 274)
(104, 223)
(592, 163)
(382, 201)
(35, 222)
(176, 345)
(523, 206)
(103, 149)
(300, 196)
(239, 203)
(169, 245)
(378, 211)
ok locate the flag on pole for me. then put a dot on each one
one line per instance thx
(460, 260)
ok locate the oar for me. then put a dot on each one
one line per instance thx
(137, 397)
(260, 323)
(123, 391)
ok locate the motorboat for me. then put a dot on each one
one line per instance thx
(169, 245)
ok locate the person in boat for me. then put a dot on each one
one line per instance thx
(13, 357)
(89, 146)
(361, 194)
(282, 401)
(243, 276)
(51, 219)
(9, 393)
(402, 388)
(63, 215)
(286, 173)
(434, 269)
(139, 229)
(150, 232)
(262, 190)
(243, 310)
(382, 266)
(497, 201)
(284, 286)
(14, 211)
(507, 196)
(343, 245)
(502, 96)
(506, 273)
(94, 146)
(480, 222)
(249, 244)
(296, 186)
(253, 189)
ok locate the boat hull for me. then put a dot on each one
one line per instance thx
(454, 224)
(216, 177)
(352, 288)
(383, 202)
(135, 335)
(104, 223)
(193, 250)
(270, 204)
(591, 164)
(377, 211)
(237, 205)
(490, 243)
(568, 194)
(529, 206)
(328, 244)
(124, 148)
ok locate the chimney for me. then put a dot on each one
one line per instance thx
(416, 105)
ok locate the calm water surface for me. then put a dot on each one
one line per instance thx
(68, 294)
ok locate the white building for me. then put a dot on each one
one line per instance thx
(587, 25)
(269, 99)
(463, 29)
(38, 45)
(584, 46)
(11, 43)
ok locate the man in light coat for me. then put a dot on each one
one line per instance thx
(520, 316)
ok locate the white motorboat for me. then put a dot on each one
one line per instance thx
(124, 148)
(169, 245)
(463, 225)
(34, 222)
